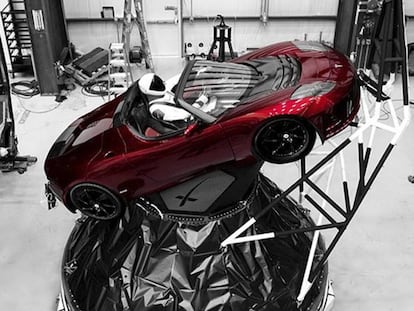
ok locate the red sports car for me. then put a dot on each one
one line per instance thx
(198, 152)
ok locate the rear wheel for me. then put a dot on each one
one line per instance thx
(96, 201)
(284, 139)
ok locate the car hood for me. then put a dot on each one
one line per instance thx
(81, 143)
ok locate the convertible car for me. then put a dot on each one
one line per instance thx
(196, 150)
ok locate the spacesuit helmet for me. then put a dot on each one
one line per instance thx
(152, 85)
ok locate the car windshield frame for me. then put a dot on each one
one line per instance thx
(125, 104)
(122, 114)
(178, 98)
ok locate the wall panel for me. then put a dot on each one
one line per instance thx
(155, 10)
(223, 7)
(88, 35)
(409, 10)
(303, 8)
(252, 33)
(409, 7)
(91, 8)
(252, 7)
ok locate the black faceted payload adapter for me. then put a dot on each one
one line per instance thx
(147, 263)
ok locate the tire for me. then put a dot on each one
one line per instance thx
(95, 201)
(284, 139)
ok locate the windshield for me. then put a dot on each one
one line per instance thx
(215, 87)
(207, 89)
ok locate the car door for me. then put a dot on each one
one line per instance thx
(169, 161)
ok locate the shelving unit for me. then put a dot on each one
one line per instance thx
(17, 34)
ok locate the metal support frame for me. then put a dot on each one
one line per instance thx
(389, 44)
(143, 34)
(9, 159)
(127, 25)
(364, 20)
(350, 207)
(347, 9)
(334, 215)
(221, 35)
(127, 28)
(264, 11)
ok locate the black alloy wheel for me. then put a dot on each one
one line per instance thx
(96, 201)
(284, 140)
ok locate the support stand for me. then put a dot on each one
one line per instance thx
(389, 44)
(367, 13)
(9, 159)
(18, 163)
(221, 35)
(144, 262)
(338, 212)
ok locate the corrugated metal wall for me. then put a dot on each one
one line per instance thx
(243, 15)
(252, 7)
(87, 31)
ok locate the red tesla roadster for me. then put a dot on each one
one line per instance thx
(198, 153)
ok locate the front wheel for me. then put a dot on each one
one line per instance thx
(284, 140)
(96, 201)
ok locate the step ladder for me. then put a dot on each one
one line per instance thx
(17, 36)
(119, 71)
(127, 27)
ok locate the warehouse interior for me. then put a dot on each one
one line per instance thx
(370, 266)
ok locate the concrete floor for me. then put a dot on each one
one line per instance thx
(371, 267)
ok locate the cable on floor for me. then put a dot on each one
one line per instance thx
(25, 88)
(36, 111)
(96, 88)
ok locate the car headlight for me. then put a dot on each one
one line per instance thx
(313, 89)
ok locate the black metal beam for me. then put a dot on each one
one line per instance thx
(345, 25)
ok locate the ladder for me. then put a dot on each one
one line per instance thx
(119, 71)
(17, 36)
(127, 27)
